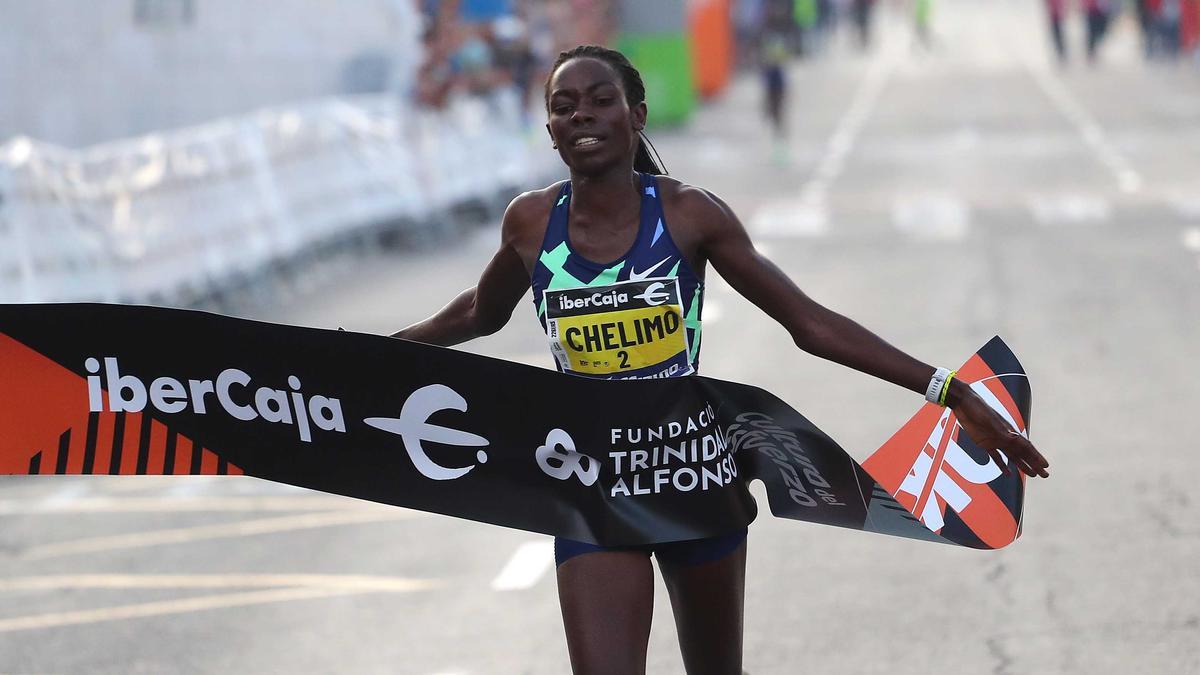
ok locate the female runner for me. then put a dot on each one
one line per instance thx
(616, 209)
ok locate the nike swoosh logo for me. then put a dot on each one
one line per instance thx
(634, 275)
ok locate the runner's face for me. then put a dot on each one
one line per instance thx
(590, 120)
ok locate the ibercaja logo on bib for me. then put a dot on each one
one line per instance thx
(629, 329)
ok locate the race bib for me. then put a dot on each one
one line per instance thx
(630, 329)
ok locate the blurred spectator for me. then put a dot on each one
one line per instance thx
(861, 11)
(482, 11)
(473, 59)
(1189, 28)
(1164, 30)
(773, 58)
(1056, 10)
(477, 46)
(748, 16)
(922, 11)
(587, 22)
(1146, 10)
(806, 14)
(515, 56)
(827, 13)
(1097, 14)
(459, 56)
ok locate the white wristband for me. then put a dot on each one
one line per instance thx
(934, 391)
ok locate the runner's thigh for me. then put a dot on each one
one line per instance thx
(607, 601)
(708, 600)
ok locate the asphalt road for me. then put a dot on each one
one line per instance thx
(1059, 208)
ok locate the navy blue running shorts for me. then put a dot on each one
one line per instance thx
(682, 553)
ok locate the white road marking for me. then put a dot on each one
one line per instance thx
(1186, 204)
(148, 609)
(808, 216)
(1069, 209)
(931, 216)
(1128, 179)
(526, 567)
(1191, 239)
(184, 504)
(716, 151)
(194, 581)
(791, 218)
(66, 495)
(841, 143)
(244, 528)
(188, 488)
(145, 483)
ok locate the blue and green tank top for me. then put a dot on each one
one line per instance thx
(635, 317)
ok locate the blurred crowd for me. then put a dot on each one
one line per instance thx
(807, 26)
(1170, 28)
(477, 46)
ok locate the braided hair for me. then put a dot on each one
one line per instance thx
(635, 93)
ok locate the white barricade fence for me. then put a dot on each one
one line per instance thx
(184, 212)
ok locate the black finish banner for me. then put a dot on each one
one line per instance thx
(114, 389)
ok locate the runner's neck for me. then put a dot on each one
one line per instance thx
(610, 194)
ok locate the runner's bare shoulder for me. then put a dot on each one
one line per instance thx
(525, 220)
(693, 214)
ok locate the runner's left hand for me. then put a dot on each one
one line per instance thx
(992, 432)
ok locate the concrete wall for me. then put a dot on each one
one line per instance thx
(77, 72)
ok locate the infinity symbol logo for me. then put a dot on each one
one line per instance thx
(562, 464)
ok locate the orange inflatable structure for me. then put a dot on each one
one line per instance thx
(712, 44)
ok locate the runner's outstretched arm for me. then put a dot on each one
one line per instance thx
(487, 307)
(825, 333)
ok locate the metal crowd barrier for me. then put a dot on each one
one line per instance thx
(181, 213)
